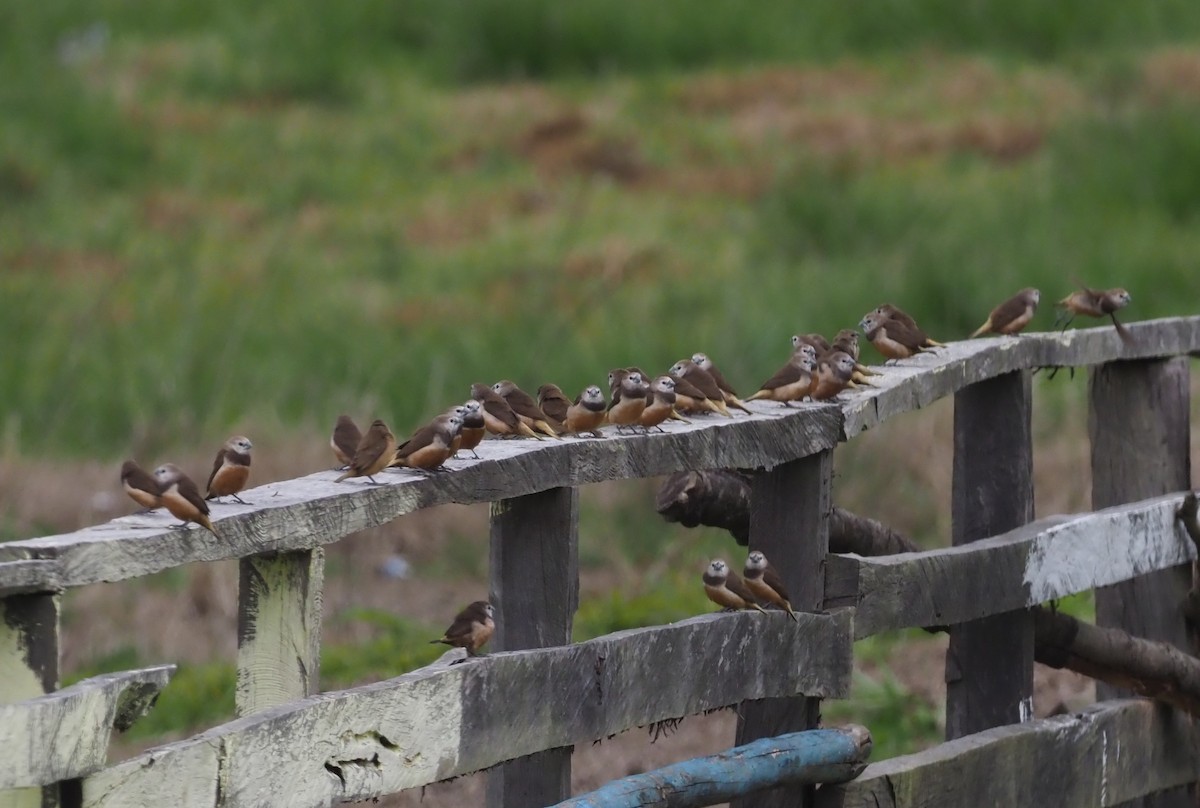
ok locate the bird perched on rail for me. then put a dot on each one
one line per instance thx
(498, 416)
(231, 469)
(846, 341)
(373, 454)
(471, 629)
(471, 434)
(1013, 314)
(793, 381)
(764, 582)
(525, 407)
(660, 404)
(1094, 303)
(887, 311)
(180, 495)
(626, 408)
(835, 372)
(725, 588)
(141, 487)
(586, 413)
(731, 397)
(819, 344)
(689, 371)
(554, 403)
(892, 338)
(432, 445)
(345, 439)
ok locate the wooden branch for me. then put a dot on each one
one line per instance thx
(444, 721)
(797, 759)
(1103, 756)
(65, 734)
(1041, 561)
(313, 511)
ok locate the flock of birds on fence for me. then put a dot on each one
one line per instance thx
(817, 369)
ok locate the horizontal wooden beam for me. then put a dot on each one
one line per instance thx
(1043, 560)
(314, 510)
(65, 734)
(443, 721)
(1110, 753)
(29, 577)
(798, 758)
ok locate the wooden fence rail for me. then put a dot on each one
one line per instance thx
(295, 746)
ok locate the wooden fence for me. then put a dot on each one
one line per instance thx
(518, 713)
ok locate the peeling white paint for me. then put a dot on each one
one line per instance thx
(1025, 709)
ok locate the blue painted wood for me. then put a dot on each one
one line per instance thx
(798, 758)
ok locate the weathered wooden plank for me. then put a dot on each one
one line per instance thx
(443, 721)
(65, 734)
(1105, 755)
(989, 663)
(534, 549)
(28, 577)
(1138, 421)
(279, 628)
(789, 523)
(1046, 559)
(798, 758)
(28, 669)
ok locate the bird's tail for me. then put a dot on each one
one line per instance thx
(983, 329)
(1122, 332)
(208, 525)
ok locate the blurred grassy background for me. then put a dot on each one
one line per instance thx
(228, 216)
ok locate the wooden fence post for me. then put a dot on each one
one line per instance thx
(279, 628)
(989, 664)
(1138, 422)
(789, 522)
(535, 591)
(28, 669)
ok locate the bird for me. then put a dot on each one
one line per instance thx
(498, 416)
(141, 487)
(1094, 303)
(554, 403)
(699, 378)
(525, 407)
(626, 409)
(847, 342)
(181, 497)
(587, 413)
(892, 338)
(764, 582)
(819, 343)
(231, 469)
(793, 381)
(690, 398)
(662, 404)
(724, 588)
(471, 629)
(731, 397)
(887, 311)
(373, 453)
(473, 430)
(834, 374)
(344, 440)
(431, 445)
(1013, 314)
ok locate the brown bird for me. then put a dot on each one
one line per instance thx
(834, 374)
(1095, 303)
(731, 397)
(525, 407)
(587, 413)
(887, 311)
(230, 470)
(690, 398)
(344, 440)
(725, 588)
(373, 454)
(892, 338)
(473, 429)
(498, 417)
(1013, 314)
(764, 582)
(695, 375)
(793, 381)
(662, 404)
(846, 341)
(182, 498)
(554, 403)
(471, 629)
(627, 408)
(140, 486)
(431, 445)
(819, 343)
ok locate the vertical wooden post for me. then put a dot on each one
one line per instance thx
(789, 523)
(989, 665)
(1139, 429)
(535, 591)
(279, 628)
(28, 669)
